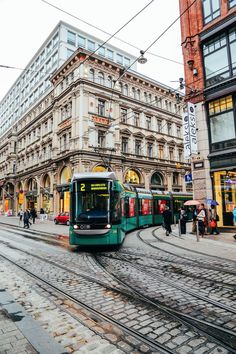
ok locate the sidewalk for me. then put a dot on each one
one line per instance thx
(20, 333)
(44, 228)
(222, 245)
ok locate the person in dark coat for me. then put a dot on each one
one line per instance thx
(183, 219)
(33, 214)
(26, 218)
(167, 217)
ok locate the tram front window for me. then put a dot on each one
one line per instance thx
(91, 206)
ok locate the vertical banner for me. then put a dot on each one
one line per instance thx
(189, 131)
(192, 127)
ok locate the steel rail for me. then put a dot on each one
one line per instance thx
(148, 341)
(227, 337)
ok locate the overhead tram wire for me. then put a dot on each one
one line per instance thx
(112, 35)
(108, 33)
(144, 51)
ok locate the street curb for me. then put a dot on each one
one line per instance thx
(40, 340)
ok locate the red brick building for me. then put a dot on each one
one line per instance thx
(208, 29)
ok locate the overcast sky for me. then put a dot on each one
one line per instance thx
(25, 24)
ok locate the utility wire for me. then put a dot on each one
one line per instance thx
(112, 35)
(107, 33)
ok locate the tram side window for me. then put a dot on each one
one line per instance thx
(116, 208)
(146, 207)
(161, 204)
(131, 207)
(156, 207)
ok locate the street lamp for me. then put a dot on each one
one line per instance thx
(142, 59)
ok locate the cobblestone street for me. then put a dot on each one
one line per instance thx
(152, 294)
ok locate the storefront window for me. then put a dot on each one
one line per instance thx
(225, 195)
(64, 192)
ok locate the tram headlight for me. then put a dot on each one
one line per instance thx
(76, 226)
(108, 226)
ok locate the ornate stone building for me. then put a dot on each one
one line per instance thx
(97, 116)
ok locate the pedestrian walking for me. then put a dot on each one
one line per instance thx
(33, 214)
(183, 219)
(213, 221)
(167, 217)
(26, 218)
(20, 214)
(41, 212)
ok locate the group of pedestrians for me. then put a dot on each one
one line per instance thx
(28, 215)
(206, 220)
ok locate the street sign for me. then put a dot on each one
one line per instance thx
(189, 131)
(188, 178)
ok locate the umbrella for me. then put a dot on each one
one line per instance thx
(192, 202)
(211, 202)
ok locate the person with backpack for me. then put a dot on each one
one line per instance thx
(167, 217)
(33, 214)
(26, 218)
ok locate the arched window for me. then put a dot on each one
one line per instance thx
(99, 168)
(91, 74)
(132, 176)
(125, 90)
(109, 81)
(46, 181)
(138, 94)
(101, 78)
(157, 179)
(145, 96)
(65, 175)
(32, 184)
(133, 93)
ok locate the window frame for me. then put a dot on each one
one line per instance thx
(227, 143)
(212, 15)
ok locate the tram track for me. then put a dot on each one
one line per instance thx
(170, 268)
(146, 269)
(145, 339)
(227, 336)
(195, 262)
(95, 315)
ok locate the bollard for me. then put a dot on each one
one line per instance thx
(197, 234)
(175, 220)
(179, 228)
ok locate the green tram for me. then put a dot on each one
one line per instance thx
(103, 209)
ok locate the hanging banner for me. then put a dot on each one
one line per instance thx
(189, 131)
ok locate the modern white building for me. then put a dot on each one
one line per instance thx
(34, 82)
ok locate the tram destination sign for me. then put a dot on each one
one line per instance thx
(88, 186)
